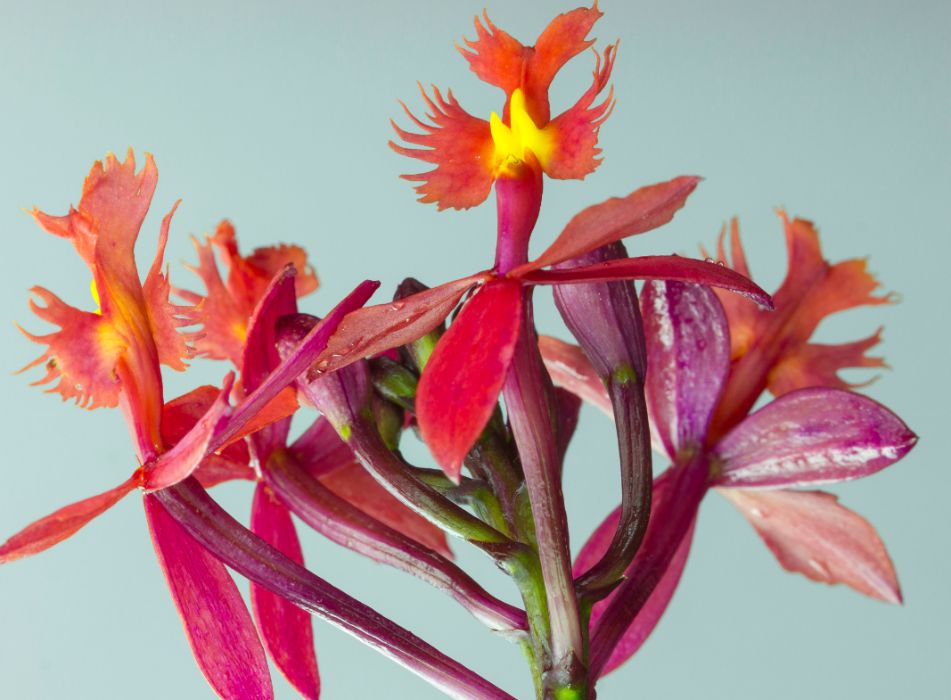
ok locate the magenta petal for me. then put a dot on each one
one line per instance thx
(372, 330)
(653, 609)
(287, 630)
(179, 462)
(63, 523)
(308, 350)
(619, 217)
(673, 268)
(216, 620)
(810, 533)
(812, 436)
(462, 380)
(571, 369)
(320, 450)
(259, 356)
(688, 357)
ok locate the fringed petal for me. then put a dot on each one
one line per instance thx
(812, 436)
(575, 131)
(76, 227)
(460, 146)
(286, 630)
(65, 522)
(82, 356)
(216, 620)
(165, 317)
(460, 385)
(495, 56)
(811, 534)
(356, 485)
(771, 350)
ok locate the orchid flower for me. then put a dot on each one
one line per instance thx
(812, 434)
(110, 357)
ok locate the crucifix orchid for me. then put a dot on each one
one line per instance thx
(680, 365)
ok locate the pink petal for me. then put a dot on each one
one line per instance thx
(688, 357)
(179, 462)
(653, 609)
(66, 521)
(320, 449)
(216, 620)
(372, 330)
(286, 629)
(619, 217)
(812, 436)
(810, 533)
(259, 356)
(673, 268)
(461, 382)
(570, 369)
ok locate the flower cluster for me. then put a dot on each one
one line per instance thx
(679, 365)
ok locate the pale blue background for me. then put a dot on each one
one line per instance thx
(276, 116)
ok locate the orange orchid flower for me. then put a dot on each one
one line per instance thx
(471, 153)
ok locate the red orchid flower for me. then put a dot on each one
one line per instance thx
(459, 387)
(111, 357)
(808, 436)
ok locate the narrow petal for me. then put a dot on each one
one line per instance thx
(179, 462)
(356, 485)
(575, 131)
(812, 436)
(165, 317)
(460, 385)
(571, 369)
(65, 522)
(460, 146)
(368, 332)
(320, 450)
(688, 356)
(260, 357)
(655, 267)
(286, 630)
(619, 217)
(811, 534)
(82, 355)
(653, 609)
(306, 353)
(217, 622)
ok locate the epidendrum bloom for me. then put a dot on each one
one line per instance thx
(711, 358)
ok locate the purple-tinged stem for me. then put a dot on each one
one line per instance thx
(347, 525)
(195, 510)
(605, 317)
(518, 201)
(528, 397)
(677, 514)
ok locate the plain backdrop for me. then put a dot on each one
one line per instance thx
(275, 115)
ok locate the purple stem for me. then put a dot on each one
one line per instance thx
(528, 397)
(347, 525)
(677, 513)
(236, 546)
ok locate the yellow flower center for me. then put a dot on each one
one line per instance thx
(513, 142)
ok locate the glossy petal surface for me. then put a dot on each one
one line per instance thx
(619, 217)
(286, 630)
(461, 383)
(811, 534)
(65, 522)
(688, 356)
(812, 436)
(217, 622)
